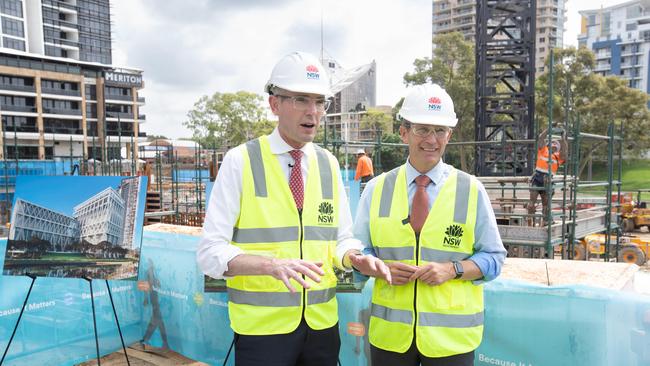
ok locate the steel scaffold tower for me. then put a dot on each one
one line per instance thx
(505, 86)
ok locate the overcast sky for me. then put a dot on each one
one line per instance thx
(192, 48)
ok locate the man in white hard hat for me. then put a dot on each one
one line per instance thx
(278, 220)
(433, 225)
(364, 171)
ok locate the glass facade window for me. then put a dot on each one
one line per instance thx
(62, 85)
(12, 7)
(94, 31)
(12, 27)
(67, 126)
(27, 152)
(10, 100)
(60, 104)
(112, 90)
(91, 92)
(19, 123)
(91, 110)
(16, 81)
(55, 51)
(119, 108)
(12, 43)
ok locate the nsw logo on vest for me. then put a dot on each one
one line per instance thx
(312, 72)
(326, 211)
(435, 104)
(452, 236)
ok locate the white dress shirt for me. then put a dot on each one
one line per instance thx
(215, 250)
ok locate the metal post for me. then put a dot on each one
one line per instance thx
(610, 175)
(548, 186)
(119, 143)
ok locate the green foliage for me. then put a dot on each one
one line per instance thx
(453, 68)
(156, 137)
(226, 119)
(596, 100)
(636, 174)
(391, 156)
(377, 120)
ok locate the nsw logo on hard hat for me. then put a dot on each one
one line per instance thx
(312, 72)
(435, 104)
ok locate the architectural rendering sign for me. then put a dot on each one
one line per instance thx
(122, 79)
(76, 227)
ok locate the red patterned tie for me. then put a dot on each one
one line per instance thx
(295, 179)
(420, 205)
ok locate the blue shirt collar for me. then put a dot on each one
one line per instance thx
(435, 174)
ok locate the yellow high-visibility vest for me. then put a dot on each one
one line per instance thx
(270, 225)
(446, 319)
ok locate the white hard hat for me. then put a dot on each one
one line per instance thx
(300, 72)
(429, 104)
(361, 151)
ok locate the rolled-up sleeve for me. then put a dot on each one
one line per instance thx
(489, 252)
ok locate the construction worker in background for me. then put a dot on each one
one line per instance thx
(277, 221)
(543, 174)
(364, 167)
(434, 227)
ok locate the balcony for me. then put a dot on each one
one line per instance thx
(60, 23)
(11, 128)
(123, 133)
(73, 112)
(22, 88)
(142, 117)
(18, 108)
(142, 134)
(140, 99)
(63, 130)
(119, 115)
(66, 92)
(60, 4)
(63, 42)
(118, 97)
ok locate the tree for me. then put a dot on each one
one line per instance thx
(391, 156)
(453, 68)
(156, 137)
(597, 100)
(226, 119)
(377, 120)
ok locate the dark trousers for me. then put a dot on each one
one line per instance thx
(367, 178)
(302, 347)
(413, 357)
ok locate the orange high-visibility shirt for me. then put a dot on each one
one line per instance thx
(542, 160)
(364, 167)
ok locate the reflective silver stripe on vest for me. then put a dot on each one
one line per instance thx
(320, 296)
(392, 315)
(387, 193)
(272, 299)
(325, 169)
(257, 167)
(441, 256)
(320, 233)
(394, 253)
(265, 235)
(462, 197)
(450, 320)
